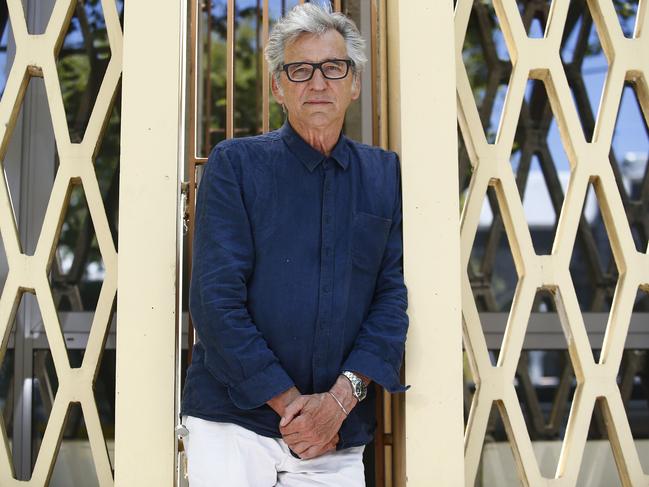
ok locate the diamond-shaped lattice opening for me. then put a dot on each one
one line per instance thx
(465, 169)
(633, 381)
(107, 166)
(592, 265)
(82, 63)
(38, 16)
(77, 271)
(104, 390)
(540, 166)
(497, 463)
(630, 157)
(4, 266)
(7, 377)
(641, 304)
(633, 378)
(469, 386)
(104, 386)
(74, 462)
(7, 389)
(7, 46)
(41, 159)
(492, 273)
(627, 12)
(584, 62)
(44, 387)
(535, 16)
(45, 382)
(545, 382)
(598, 464)
(120, 13)
(488, 65)
(558, 154)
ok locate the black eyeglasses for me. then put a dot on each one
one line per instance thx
(331, 69)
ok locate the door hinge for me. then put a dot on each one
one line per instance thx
(184, 191)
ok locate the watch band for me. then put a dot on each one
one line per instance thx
(359, 389)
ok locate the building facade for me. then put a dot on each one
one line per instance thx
(522, 131)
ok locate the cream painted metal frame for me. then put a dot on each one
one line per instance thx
(540, 59)
(150, 242)
(422, 128)
(35, 56)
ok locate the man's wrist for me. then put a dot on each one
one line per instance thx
(281, 401)
(342, 389)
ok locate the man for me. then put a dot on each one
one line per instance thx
(297, 291)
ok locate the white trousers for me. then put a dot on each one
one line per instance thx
(227, 455)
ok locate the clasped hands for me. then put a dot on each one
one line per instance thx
(310, 423)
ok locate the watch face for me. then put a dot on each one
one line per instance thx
(360, 390)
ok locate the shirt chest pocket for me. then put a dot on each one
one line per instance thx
(369, 236)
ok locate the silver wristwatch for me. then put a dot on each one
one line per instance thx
(359, 389)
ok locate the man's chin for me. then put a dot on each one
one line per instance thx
(318, 118)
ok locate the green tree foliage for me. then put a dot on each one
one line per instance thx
(247, 74)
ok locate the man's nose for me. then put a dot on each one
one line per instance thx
(318, 81)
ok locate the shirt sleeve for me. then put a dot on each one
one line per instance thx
(236, 353)
(378, 349)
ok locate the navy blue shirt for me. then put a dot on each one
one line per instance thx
(297, 275)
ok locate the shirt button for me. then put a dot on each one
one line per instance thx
(327, 218)
(325, 165)
(326, 289)
(327, 250)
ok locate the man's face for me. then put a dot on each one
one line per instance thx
(319, 102)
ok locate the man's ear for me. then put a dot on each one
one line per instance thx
(356, 86)
(278, 93)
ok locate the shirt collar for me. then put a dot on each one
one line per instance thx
(309, 156)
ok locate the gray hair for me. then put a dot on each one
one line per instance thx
(312, 18)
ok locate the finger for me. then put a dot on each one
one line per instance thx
(328, 448)
(309, 453)
(295, 439)
(332, 444)
(300, 447)
(300, 424)
(296, 436)
(292, 410)
(315, 451)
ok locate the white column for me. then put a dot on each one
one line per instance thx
(147, 299)
(421, 67)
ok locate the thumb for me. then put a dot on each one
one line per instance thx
(291, 411)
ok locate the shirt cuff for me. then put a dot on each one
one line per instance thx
(260, 388)
(376, 368)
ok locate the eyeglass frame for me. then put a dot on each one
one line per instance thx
(348, 62)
